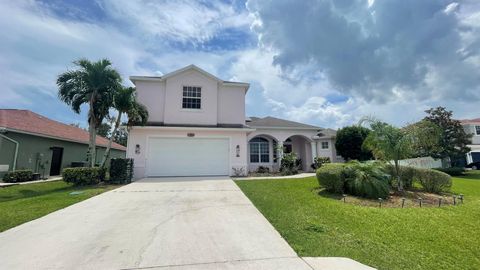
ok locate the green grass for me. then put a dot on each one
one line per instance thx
(22, 203)
(385, 238)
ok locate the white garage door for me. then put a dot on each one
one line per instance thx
(187, 156)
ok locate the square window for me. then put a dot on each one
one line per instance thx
(324, 145)
(477, 130)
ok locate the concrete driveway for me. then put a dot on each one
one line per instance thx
(175, 223)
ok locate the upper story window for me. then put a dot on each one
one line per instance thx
(192, 97)
(324, 145)
(477, 130)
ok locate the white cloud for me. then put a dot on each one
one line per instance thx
(183, 21)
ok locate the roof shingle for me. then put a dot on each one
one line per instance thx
(270, 121)
(27, 121)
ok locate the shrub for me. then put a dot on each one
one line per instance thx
(121, 170)
(367, 180)
(18, 176)
(262, 169)
(330, 176)
(407, 173)
(83, 176)
(290, 164)
(433, 181)
(319, 161)
(453, 171)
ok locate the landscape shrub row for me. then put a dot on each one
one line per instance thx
(121, 170)
(82, 176)
(453, 171)
(18, 176)
(374, 180)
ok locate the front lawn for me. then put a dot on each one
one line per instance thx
(22, 203)
(385, 238)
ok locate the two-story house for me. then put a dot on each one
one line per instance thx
(197, 126)
(472, 126)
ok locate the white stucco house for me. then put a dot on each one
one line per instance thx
(197, 126)
(472, 126)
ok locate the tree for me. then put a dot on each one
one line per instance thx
(349, 143)
(104, 130)
(426, 138)
(389, 143)
(454, 140)
(121, 136)
(92, 83)
(124, 102)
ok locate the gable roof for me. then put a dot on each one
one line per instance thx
(470, 121)
(25, 121)
(184, 69)
(273, 122)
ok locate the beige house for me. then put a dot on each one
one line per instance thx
(197, 126)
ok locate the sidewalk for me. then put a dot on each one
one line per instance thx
(3, 184)
(300, 175)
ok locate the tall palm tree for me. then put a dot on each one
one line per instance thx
(92, 83)
(124, 102)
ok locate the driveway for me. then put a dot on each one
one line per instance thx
(174, 223)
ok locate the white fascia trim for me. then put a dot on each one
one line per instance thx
(192, 128)
(55, 138)
(288, 128)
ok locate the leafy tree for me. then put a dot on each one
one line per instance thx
(92, 83)
(349, 143)
(124, 102)
(104, 130)
(120, 136)
(453, 138)
(426, 138)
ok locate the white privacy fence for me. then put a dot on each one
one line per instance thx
(422, 162)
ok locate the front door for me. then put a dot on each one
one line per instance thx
(56, 164)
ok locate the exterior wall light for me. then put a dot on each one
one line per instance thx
(137, 149)
(237, 149)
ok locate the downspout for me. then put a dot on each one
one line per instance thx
(3, 130)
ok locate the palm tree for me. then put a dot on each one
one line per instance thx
(389, 143)
(124, 102)
(92, 83)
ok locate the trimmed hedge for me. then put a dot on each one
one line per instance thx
(319, 161)
(121, 170)
(453, 171)
(407, 174)
(330, 176)
(18, 176)
(81, 176)
(433, 181)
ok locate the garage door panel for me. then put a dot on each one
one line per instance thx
(187, 156)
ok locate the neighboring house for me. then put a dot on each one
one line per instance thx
(197, 126)
(472, 126)
(31, 141)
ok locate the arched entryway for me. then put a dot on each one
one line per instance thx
(301, 146)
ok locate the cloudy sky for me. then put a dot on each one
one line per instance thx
(323, 62)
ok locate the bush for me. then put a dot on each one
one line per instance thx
(121, 170)
(330, 176)
(407, 174)
(18, 176)
(83, 176)
(262, 169)
(453, 171)
(433, 181)
(367, 180)
(319, 161)
(290, 164)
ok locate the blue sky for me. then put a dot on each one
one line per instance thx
(323, 62)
